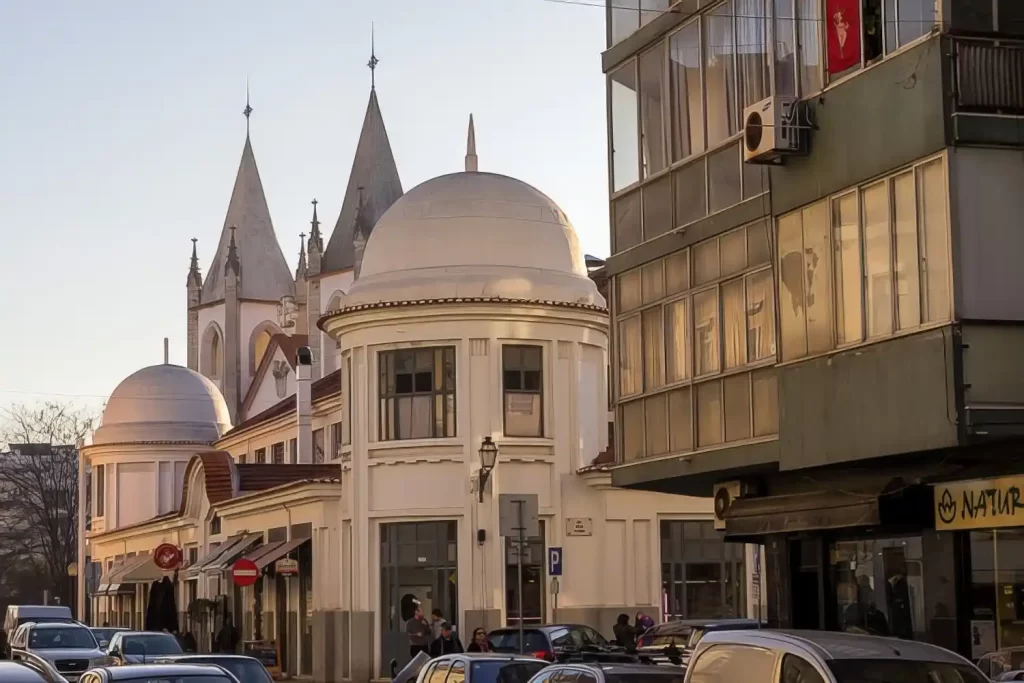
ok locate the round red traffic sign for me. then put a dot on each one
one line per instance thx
(167, 556)
(245, 572)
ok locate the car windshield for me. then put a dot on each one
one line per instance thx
(104, 634)
(149, 646)
(245, 670)
(503, 671)
(60, 638)
(655, 675)
(43, 620)
(902, 670)
(508, 641)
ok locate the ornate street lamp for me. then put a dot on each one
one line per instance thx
(488, 458)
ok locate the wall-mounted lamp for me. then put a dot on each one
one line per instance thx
(488, 458)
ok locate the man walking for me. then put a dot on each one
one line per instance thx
(419, 633)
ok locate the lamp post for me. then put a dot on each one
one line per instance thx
(488, 458)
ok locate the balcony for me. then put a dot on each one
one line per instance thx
(988, 87)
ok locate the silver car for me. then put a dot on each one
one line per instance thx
(823, 657)
(160, 673)
(70, 648)
(29, 669)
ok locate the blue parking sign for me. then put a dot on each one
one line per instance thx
(554, 561)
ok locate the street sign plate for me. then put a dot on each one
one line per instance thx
(509, 505)
(554, 561)
(245, 572)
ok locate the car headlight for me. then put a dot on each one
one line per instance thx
(101, 661)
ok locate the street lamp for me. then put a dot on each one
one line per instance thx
(488, 458)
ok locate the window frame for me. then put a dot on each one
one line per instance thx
(275, 449)
(260, 456)
(386, 371)
(886, 180)
(100, 489)
(539, 392)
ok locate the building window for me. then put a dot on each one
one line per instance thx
(691, 333)
(865, 264)
(215, 525)
(242, 458)
(702, 576)
(318, 445)
(336, 440)
(859, 35)
(534, 592)
(523, 390)
(626, 16)
(193, 556)
(101, 490)
(277, 453)
(625, 128)
(417, 393)
(261, 456)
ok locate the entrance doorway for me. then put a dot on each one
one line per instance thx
(806, 561)
(418, 567)
(534, 559)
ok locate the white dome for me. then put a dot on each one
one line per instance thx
(164, 403)
(473, 235)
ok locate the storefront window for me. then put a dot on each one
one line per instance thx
(997, 589)
(880, 586)
(702, 576)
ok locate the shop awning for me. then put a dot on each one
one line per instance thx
(145, 572)
(115, 582)
(233, 552)
(275, 551)
(233, 546)
(800, 512)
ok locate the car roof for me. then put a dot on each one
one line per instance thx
(681, 624)
(14, 672)
(836, 645)
(55, 624)
(210, 655)
(546, 628)
(500, 656)
(126, 632)
(624, 668)
(119, 673)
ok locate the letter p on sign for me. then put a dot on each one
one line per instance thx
(554, 561)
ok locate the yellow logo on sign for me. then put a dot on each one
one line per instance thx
(980, 504)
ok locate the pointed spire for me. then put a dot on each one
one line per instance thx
(247, 112)
(195, 278)
(315, 239)
(300, 271)
(373, 60)
(471, 160)
(232, 264)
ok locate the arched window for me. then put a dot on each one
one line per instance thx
(211, 359)
(259, 341)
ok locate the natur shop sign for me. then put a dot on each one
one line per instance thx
(979, 504)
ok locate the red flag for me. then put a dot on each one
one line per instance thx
(842, 28)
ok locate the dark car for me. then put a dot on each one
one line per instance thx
(558, 643)
(480, 667)
(609, 673)
(161, 673)
(245, 669)
(674, 641)
(142, 647)
(104, 634)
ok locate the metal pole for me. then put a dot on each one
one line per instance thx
(519, 572)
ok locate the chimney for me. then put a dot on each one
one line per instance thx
(167, 351)
(304, 405)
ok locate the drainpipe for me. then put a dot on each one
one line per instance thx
(80, 558)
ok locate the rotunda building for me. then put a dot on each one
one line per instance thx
(154, 422)
(471, 322)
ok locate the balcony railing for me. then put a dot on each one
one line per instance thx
(990, 76)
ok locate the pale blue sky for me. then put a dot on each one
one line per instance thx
(121, 130)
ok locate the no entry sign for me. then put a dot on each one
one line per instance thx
(245, 572)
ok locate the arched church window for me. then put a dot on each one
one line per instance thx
(259, 342)
(211, 360)
(260, 347)
(215, 356)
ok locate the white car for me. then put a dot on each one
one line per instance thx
(71, 648)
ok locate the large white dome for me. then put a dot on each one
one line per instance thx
(164, 403)
(473, 235)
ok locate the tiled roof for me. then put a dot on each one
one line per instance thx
(324, 387)
(253, 477)
(217, 473)
(457, 300)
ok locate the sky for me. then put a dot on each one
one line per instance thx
(121, 130)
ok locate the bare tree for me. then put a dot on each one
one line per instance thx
(39, 493)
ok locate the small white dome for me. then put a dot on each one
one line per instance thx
(473, 235)
(164, 403)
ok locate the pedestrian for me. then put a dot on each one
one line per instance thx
(436, 619)
(479, 642)
(625, 635)
(227, 637)
(419, 633)
(447, 644)
(642, 623)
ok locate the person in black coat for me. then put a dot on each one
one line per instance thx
(447, 644)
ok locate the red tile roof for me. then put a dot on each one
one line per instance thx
(252, 477)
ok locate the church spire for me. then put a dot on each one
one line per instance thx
(471, 160)
(300, 271)
(195, 278)
(314, 233)
(247, 112)
(373, 60)
(232, 264)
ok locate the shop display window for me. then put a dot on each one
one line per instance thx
(997, 590)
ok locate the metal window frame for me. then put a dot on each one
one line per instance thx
(389, 417)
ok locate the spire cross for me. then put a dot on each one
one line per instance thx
(373, 60)
(248, 109)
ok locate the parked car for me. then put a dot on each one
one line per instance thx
(17, 615)
(70, 648)
(674, 641)
(609, 673)
(765, 656)
(480, 667)
(245, 669)
(1005, 662)
(141, 647)
(558, 642)
(104, 634)
(160, 673)
(30, 669)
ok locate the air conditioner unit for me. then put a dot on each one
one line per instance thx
(771, 130)
(725, 494)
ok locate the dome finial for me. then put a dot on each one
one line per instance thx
(471, 161)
